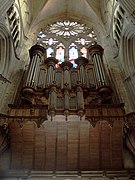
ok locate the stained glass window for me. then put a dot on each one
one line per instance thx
(67, 28)
(83, 50)
(50, 52)
(66, 38)
(73, 54)
(60, 55)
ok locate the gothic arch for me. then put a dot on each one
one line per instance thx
(128, 60)
(127, 50)
(21, 28)
(5, 50)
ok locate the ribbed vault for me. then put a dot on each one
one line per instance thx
(48, 12)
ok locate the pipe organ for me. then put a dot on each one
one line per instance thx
(79, 128)
(59, 87)
(36, 54)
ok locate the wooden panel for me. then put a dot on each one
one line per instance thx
(39, 154)
(16, 156)
(84, 146)
(105, 145)
(16, 145)
(28, 145)
(117, 145)
(72, 146)
(62, 146)
(94, 143)
(50, 162)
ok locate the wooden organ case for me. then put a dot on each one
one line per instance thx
(66, 120)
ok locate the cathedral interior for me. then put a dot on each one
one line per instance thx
(67, 89)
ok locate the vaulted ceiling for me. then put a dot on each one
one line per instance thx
(44, 12)
(67, 7)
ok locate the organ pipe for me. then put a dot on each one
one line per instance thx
(66, 77)
(37, 53)
(81, 62)
(66, 99)
(66, 65)
(96, 52)
(80, 100)
(53, 98)
(51, 62)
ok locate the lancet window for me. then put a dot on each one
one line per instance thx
(14, 25)
(118, 24)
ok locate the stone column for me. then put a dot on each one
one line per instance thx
(37, 54)
(81, 62)
(96, 52)
(51, 62)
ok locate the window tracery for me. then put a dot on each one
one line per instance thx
(118, 24)
(14, 24)
(60, 50)
(66, 40)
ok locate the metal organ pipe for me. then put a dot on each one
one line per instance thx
(33, 72)
(53, 98)
(51, 62)
(98, 78)
(66, 65)
(101, 65)
(80, 101)
(50, 75)
(66, 76)
(82, 74)
(36, 55)
(66, 100)
(30, 70)
(81, 62)
(96, 52)
(36, 71)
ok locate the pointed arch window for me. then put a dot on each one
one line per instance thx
(83, 51)
(73, 54)
(50, 51)
(14, 25)
(60, 52)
